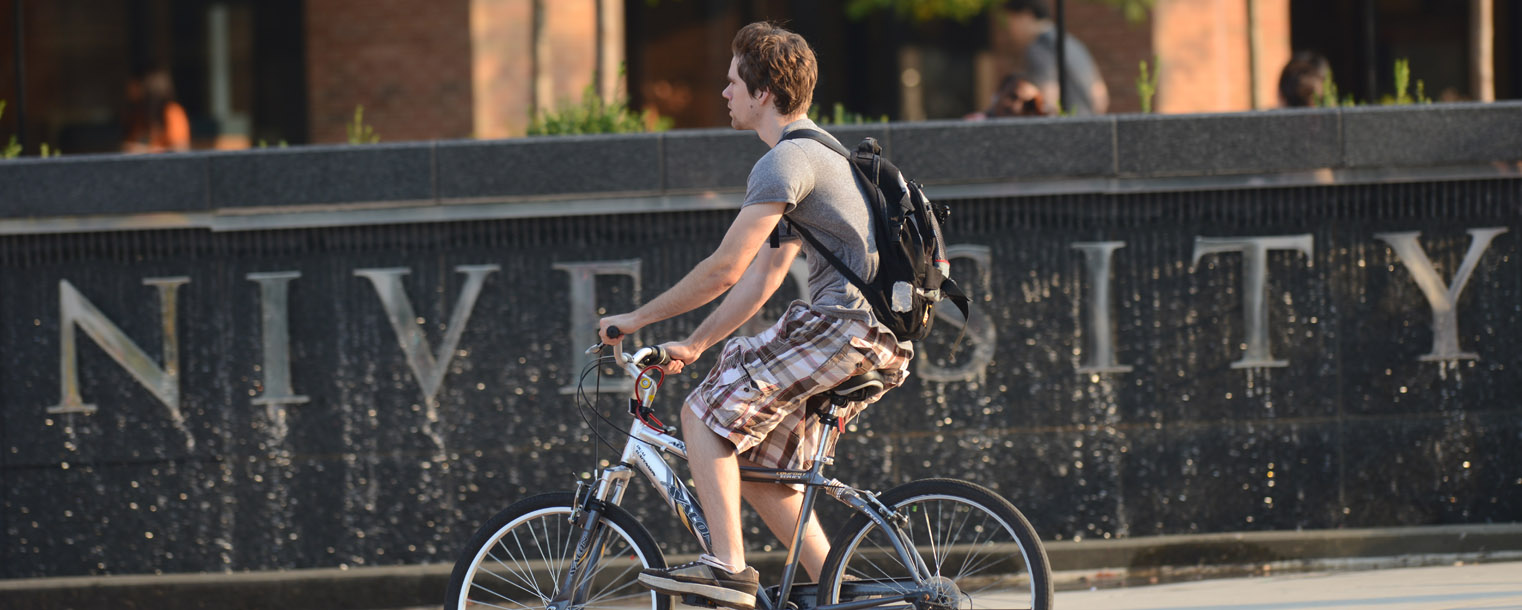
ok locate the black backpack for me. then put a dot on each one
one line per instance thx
(913, 272)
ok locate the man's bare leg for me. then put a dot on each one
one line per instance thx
(716, 476)
(779, 506)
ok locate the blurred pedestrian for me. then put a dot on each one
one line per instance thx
(1303, 80)
(1030, 27)
(152, 120)
(1017, 96)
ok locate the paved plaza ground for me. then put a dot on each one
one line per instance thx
(1490, 586)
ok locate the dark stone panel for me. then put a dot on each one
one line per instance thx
(940, 152)
(1432, 135)
(1454, 466)
(1180, 326)
(121, 518)
(709, 158)
(1186, 323)
(1227, 143)
(322, 174)
(1065, 482)
(549, 166)
(98, 184)
(129, 424)
(1232, 476)
(1388, 321)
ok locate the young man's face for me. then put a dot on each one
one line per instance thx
(744, 108)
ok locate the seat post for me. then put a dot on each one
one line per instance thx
(829, 420)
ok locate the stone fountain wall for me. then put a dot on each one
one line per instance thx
(337, 356)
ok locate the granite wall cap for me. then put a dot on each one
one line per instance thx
(852, 135)
(686, 161)
(549, 165)
(1433, 134)
(721, 159)
(940, 152)
(1243, 142)
(103, 184)
(709, 159)
(322, 174)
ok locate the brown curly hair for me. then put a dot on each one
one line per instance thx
(776, 60)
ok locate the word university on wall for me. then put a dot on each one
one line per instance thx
(429, 365)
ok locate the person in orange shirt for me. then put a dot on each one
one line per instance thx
(154, 121)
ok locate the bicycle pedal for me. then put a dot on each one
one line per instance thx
(699, 601)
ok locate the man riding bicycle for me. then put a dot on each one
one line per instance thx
(750, 409)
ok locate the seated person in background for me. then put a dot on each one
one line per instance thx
(153, 121)
(1029, 26)
(1017, 96)
(1301, 82)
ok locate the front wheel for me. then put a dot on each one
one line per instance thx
(521, 557)
(979, 550)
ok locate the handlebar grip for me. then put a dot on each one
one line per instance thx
(614, 333)
(657, 357)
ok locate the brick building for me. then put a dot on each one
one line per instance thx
(270, 71)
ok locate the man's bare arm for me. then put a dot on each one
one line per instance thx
(763, 277)
(712, 276)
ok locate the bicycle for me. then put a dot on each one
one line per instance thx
(934, 544)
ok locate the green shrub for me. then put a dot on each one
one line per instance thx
(1146, 86)
(594, 115)
(1329, 92)
(359, 132)
(12, 149)
(840, 116)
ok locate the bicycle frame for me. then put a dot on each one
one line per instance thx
(643, 452)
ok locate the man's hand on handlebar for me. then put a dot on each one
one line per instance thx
(681, 354)
(612, 329)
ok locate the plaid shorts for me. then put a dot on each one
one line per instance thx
(755, 395)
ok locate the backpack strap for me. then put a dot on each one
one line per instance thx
(949, 287)
(877, 207)
(959, 298)
(873, 297)
(820, 137)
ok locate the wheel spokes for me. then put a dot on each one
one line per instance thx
(976, 558)
(526, 566)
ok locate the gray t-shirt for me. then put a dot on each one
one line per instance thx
(1082, 73)
(822, 196)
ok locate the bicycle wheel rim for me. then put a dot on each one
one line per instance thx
(965, 543)
(526, 559)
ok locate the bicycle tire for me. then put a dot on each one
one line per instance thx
(517, 558)
(978, 545)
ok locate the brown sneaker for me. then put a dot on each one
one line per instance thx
(736, 590)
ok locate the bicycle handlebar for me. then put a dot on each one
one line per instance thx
(646, 357)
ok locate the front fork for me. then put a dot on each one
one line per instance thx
(590, 537)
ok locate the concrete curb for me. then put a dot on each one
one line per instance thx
(423, 585)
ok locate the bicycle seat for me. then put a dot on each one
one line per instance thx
(858, 388)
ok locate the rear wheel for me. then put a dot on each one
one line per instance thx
(519, 559)
(980, 551)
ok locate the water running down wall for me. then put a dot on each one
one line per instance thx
(1279, 354)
